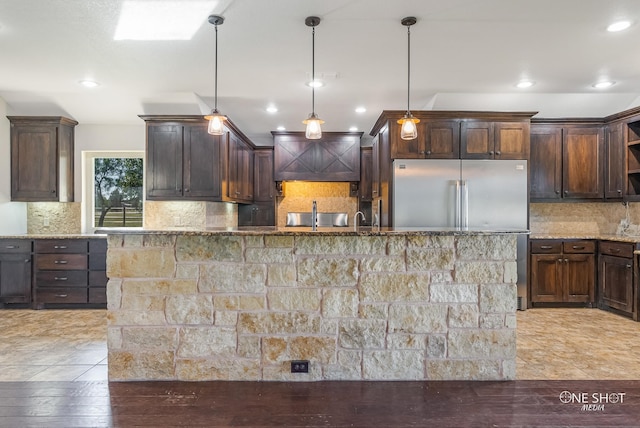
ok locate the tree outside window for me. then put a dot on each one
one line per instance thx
(118, 192)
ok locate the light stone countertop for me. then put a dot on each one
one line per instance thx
(56, 236)
(600, 237)
(306, 231)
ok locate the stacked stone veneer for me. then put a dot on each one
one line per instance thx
(241, 307)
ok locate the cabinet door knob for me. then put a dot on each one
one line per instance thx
(491, 152)
(628, 266)
(421, 152)
(27, 261)
(428, 152)
(187, 190)
(557, 192)
(498, 153)
(619, 191)
(566, 260)
(560, 260)
(566, 192)
(53, 191)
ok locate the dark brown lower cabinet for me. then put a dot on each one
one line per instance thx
(15, 272)
(615, 286)
(263, 214)
(562, 272)
(69, 273)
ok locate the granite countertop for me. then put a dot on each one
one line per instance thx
(601, 237)
(306, 231)
(56, 236)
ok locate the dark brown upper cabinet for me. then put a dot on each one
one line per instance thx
(567, 161)
(42, 158)
(438, 139)
(494, 140)
(366, 167)
(614, 171)
(334, 157)
(185, 162)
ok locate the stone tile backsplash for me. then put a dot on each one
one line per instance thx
(329, 196)
(54, 218)
(161, 215)
(590, 218)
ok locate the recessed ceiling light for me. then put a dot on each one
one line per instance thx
(619, 26)
(353, 129)
(281, 128)
(315, 83)
(525, 84)
(89, 83)
(161, 20)
(272, 109)
(603, 84)
(360, 109)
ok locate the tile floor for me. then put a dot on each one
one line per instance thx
(567, 344)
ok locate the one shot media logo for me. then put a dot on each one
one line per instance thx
(592, 401)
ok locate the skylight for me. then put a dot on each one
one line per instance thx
(162, 20)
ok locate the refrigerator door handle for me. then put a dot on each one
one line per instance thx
(465, 204)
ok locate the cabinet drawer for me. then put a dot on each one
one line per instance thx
(70, 278)
(618, 249)
(98, 295)
(546, 246)
(61, 295)
(583, 247)
(15, 246)
(61, 261)
(61, 246)
(98, 278)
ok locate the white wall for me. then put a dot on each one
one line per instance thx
(13, 215)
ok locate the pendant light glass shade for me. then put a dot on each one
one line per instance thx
(216, 120)
(216, 123)
(313, 122)
(314, 130)
(408, 128)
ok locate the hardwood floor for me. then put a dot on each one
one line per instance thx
(53, 374)
(319, 404)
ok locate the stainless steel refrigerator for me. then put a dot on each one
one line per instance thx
(487, 195)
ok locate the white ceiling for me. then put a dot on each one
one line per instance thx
(466, 55)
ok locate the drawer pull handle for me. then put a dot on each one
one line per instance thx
(62, 295)
(615, 250)
(578, 247)
(11, 247)
(60, 247)
(545, 247)
(60, 262)
(60, 278)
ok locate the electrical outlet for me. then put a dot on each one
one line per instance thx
(300, 366)
(45, 222)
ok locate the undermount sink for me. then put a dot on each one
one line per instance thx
(303, 219)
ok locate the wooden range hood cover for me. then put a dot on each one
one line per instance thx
(334, 157)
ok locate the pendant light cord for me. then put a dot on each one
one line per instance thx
(313, 70)
(215, 96)
(408, 65)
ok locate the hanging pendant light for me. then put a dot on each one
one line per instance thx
(216, 120)
(408, 128)
(313, 122)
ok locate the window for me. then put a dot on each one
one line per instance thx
(113, 190)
